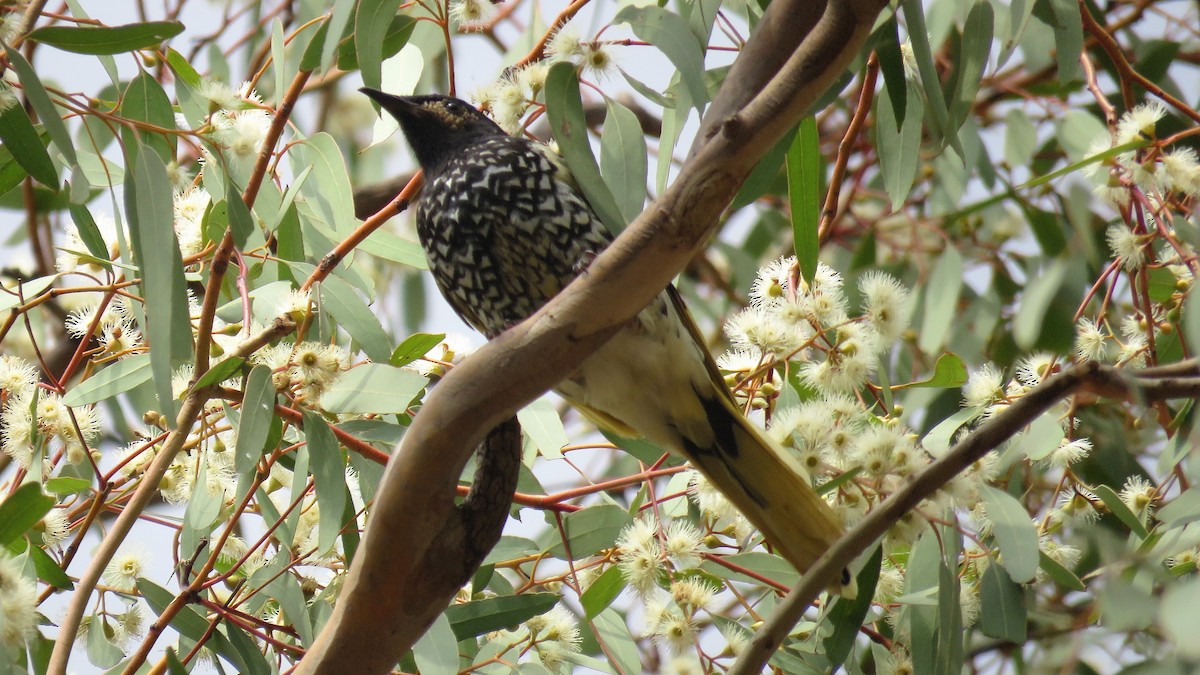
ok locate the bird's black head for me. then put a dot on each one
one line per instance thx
(437, 127)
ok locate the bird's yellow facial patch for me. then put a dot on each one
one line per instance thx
(451, 113)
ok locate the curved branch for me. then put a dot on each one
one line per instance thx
(1088, 377)
(418, 486)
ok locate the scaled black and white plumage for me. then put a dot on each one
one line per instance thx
(505, 229)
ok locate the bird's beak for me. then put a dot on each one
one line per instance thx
(400, 107)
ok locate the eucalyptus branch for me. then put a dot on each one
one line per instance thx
(1088, 377)
(380, 613)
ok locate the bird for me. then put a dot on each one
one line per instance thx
(505, 228)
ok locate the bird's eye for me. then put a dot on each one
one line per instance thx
(453, 107)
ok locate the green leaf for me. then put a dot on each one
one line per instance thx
(42, 105)
(145, 100)
(472, 619)
(623, 160)
(589, 530)
(1077, 130)
(1047, 227)
(1020, 137)
(220, 372)
(24, 292)
(671, 34)
(1045, 435)
(847, 616)
(1039, 292)
(760, 563)
(564, 108)
(253, 659)
(948, 372)
(804, 195)
(151, 213)
(1014, 532)
(414, 347)
(107, 39)
(391, 247)
(949, 650)
(891, 63)
(372, 22)
(372, 388)
(11, 171)
(356, 318)
(1177, 613)
(338, 21)
(329, 477)
(117, 378)
(941, 300)
(67, 485)
(286, 589)
(100, 650)
(21, 511)
(182, 68)
(88, 231)
(1121, 510)
(914, 15)
(1002, 606)
(976, 47)
(1019, 12)
(510, 548)
(201, 512)
(1068, 37)
(602, 592)
(48, 570)
(1183, 509)
(398, 33)
(922, 578)
(437, 650)
(311, 58)
(328, 188)
(542, 425)
(26, 146)
(254, 427)
(899, 144)
(611, 629)
(241, 221)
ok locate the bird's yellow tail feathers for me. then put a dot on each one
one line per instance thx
(767, 486)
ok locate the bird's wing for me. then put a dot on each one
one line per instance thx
(685, 317)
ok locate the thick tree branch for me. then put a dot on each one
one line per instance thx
(380, 614)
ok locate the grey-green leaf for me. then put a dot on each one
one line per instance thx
(671, 34)
(1027, 326)
(371, 23)
(23, 141)
(329, 478)
(258, 407)
(437, 650)
(1002, 606)
(564, 108)
(976, 47)
(941, 299)
(804, 195)
(156, 251)
(623, 160)
(1015, 533)
(899, 147)
(119, 377)
(40, 100)
(343, 302)
(107, 39)
(373, 388)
